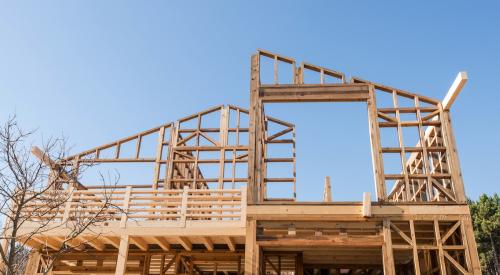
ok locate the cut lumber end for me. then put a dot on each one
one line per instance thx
(455, 89)
(367, 205)
(327, 190)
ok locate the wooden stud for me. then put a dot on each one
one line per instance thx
(252, 192)
(377, 161)
(416, 262)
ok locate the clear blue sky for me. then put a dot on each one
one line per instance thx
(100, 70)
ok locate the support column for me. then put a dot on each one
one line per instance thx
(453, 161)
(251, 249)
(471, 246)
(299, 264)
(437, 232)
(33, 262)
(416, 262)
(387, 257)
(121, 262)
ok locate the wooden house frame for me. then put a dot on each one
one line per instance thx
(184, 221)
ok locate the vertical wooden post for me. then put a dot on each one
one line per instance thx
(184, 202)
(453, 161)
(407, 194)
(170, 159)
(126, 202)
(327, 190)
(253, 191)
(33, 262)
(239, 266)
(162, 265)
(299, 264)
(437, 232)
(67, 207)
(470, 244)
(378, 165)
(147, 263)
(414, 245)
(426, 164)
(251, 249)
(177, 263)
(243, 206)
(223, 137)
(367, 204)
(387, 257)
(159, 151)
(276, 80)
(121, 262)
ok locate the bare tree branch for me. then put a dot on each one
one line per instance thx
(38, 193)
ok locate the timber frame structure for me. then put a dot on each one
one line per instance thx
(195, 220)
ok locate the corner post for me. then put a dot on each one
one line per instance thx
(378, 165)
(453, 161)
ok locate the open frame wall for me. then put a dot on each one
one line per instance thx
(204, 205)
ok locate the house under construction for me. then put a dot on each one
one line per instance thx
(205, 208)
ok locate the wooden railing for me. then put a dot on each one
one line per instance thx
(131, 206)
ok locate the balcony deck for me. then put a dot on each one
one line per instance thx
(150, 217)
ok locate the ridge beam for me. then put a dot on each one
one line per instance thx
(454, 90)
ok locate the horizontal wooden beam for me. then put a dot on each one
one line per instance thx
(314, 93)
(353, 211)
(314, 241)
(146, 229)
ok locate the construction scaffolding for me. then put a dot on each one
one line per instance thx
(206, 208)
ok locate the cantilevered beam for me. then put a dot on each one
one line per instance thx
(111, 240)
(185, 243)
(139, 242)
(454, 90)
(92, 241)
(162, 243)
(208, 243)
(230, 243)
(47, 242)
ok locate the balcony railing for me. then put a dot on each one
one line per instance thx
(129, 206)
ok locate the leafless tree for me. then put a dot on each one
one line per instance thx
(35, 188)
